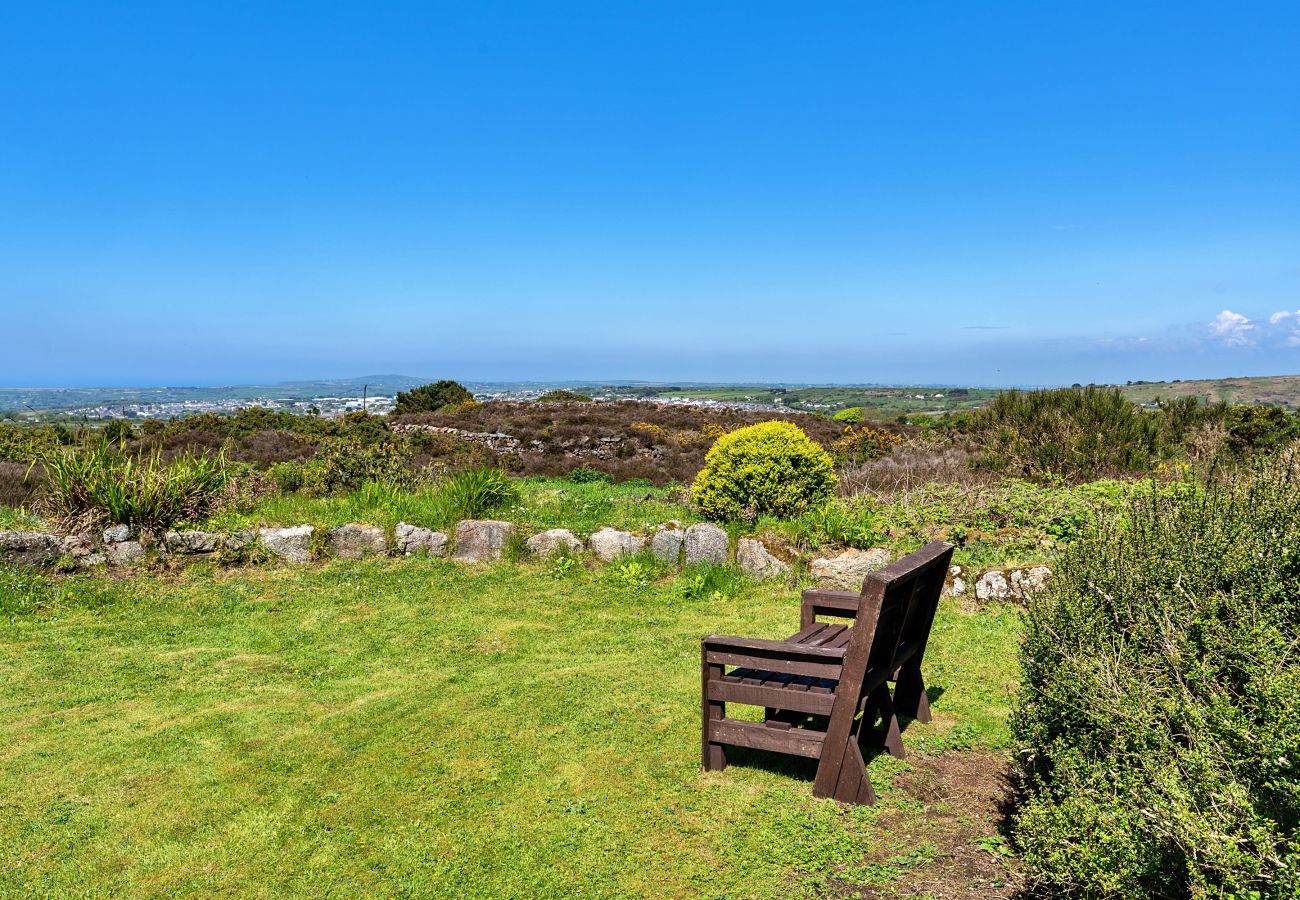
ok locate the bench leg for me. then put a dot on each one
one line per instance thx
(909, 694)
(893, 736)
(712, 756)
(853, 785)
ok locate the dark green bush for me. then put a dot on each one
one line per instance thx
(431, 397)
(584, 475)
(1252, 428)
(118, 432)
(772, 468)
(346, 465)
(1074, 433)
(287, 476)
(1159, 713)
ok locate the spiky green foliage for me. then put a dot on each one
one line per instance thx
(99, 486)
(770, 468)
(476, 493)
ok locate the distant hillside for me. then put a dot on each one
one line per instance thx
(1265, 390)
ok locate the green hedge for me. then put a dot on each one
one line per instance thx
(1159, 714)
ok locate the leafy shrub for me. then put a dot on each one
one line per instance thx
(1159, 712)
(563, 396)
(346, 465)
(562, 566)
(287, 476)
(656, 432)
(771, 468)
(431, 397)
(1074, 433)
(475, 494)
(98, 486)
(584, 475)
(851, 522)
(23, 445)
(1252, 428)
(118, 432)
(363, 426)
(850, 416)
(860, 445)
(634, 571)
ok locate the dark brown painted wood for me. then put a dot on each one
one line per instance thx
(755, 735)
(824, 688)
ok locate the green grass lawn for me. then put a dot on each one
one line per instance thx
(415, 728)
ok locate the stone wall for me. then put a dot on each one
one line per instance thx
(474, 541)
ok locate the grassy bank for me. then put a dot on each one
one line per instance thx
(415, 728)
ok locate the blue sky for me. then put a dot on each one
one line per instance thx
(1032, 193)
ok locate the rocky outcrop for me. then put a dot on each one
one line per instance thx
(115, 534)
(554, 541)
(706, 543)
(1014, 583)
(289, 544)
(756, 561)
(413, 539)
(355, 541)
(124, 553)
(666, 544)
(191, 541)
(847, 570)
(480, 540)
(241, 540)
(29, 548)
(955, 584)
(609, 544)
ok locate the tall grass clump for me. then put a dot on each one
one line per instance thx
(99, 486)
(1159, 714)
(475, 494)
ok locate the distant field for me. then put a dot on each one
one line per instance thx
(887, 401)
(1266, 390)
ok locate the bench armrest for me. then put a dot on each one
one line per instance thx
(762, 645)
(815, 601)
(772, 656)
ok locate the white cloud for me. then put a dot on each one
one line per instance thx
(1281, 316)
(1233, 329)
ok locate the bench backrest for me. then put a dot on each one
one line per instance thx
(909, 592)
(894, 617)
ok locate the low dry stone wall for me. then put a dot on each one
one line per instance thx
(477, 541)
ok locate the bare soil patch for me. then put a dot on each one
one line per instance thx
(953, 846)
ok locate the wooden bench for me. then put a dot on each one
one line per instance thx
(824, 687)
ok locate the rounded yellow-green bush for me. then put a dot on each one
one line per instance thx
(770, 468)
